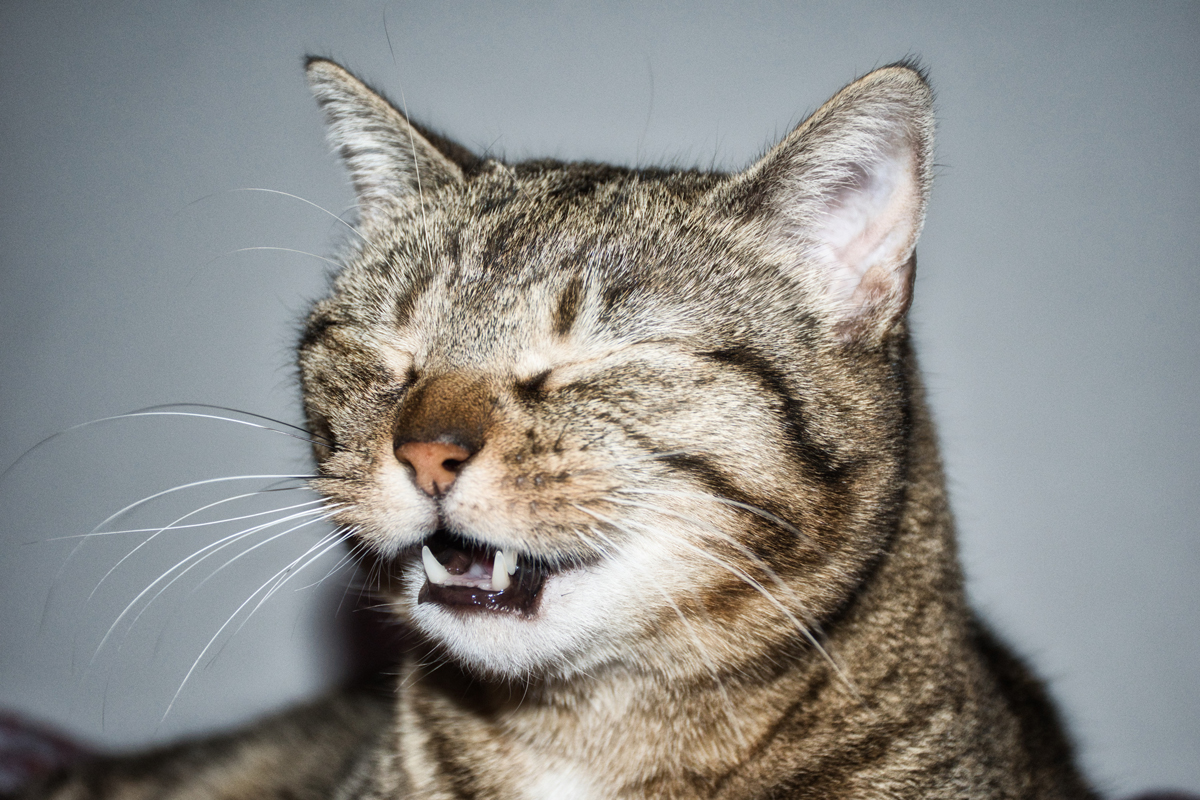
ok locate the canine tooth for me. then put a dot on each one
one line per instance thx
(434, 571)
(500, 580)
(510, 562)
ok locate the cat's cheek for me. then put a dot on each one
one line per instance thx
(523, 506)
(390, 531)
(485, 505)
(389, 514)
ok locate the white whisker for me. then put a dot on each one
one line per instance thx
(334, 538)
(175, 526)
(345, 560)
(693, 635)
(767, 515)
(750, 581)
(210, 549)
(151, 411)
(302, 200)
(284, 250)
(190, 525)
(308, 436)
(155, 496)
(192, 485)
(327, 513)
(225, 625)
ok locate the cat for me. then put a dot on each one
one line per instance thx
(642, 458)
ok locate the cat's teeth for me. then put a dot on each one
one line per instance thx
(510, 561)
(500, 572)
(434, 571)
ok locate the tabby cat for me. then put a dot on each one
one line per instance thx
(643, 460)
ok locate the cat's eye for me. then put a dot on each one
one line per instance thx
(533, 387)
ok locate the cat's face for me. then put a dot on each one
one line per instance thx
(585, 416)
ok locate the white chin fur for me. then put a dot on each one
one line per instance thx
(584, 617)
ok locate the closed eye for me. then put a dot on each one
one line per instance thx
(533, 389)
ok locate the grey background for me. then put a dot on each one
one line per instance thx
(1056, 310)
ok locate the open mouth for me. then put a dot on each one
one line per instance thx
(469, 577)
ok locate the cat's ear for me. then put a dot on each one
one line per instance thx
(841, 200)
(389, 160)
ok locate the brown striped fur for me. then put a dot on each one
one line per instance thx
(691, 408)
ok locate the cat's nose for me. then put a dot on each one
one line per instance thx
(435, 464)
(442, 423)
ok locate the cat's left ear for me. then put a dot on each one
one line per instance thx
(389, 160)
(841, 200)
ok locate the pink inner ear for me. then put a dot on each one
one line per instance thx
(867, 231)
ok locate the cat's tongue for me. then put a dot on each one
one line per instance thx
(468, 576)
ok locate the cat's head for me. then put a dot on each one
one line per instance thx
(586, 414)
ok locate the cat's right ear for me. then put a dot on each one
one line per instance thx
(840, 201)
(389, 160)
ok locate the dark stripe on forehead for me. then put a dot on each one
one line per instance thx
(568, 306)
(408, 300)
(509, 233)
(819, 460)
(616, 294)
(453, 248)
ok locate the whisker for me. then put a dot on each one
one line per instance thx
(331, 511)
(175, 527)
(200, 585)
(225, 625)
(208, 481)
(219, 545)
(742, 575)
(355, 551)
(309, 436)
(334, 538)
(164, 493)
(731, 714)
(150, 411)
(292, 196)
(767, 515)
(371, 580)
(194, 415)
(214, 547)
(283, 250)
(192, 485)
(346, 559)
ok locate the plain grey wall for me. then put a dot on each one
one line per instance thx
(1056, 310)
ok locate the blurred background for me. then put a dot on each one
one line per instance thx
(1056, 315)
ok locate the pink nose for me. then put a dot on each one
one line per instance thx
(435, 464)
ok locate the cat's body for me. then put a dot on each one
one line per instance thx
(644, 460)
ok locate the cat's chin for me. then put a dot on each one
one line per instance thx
(550, 622)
